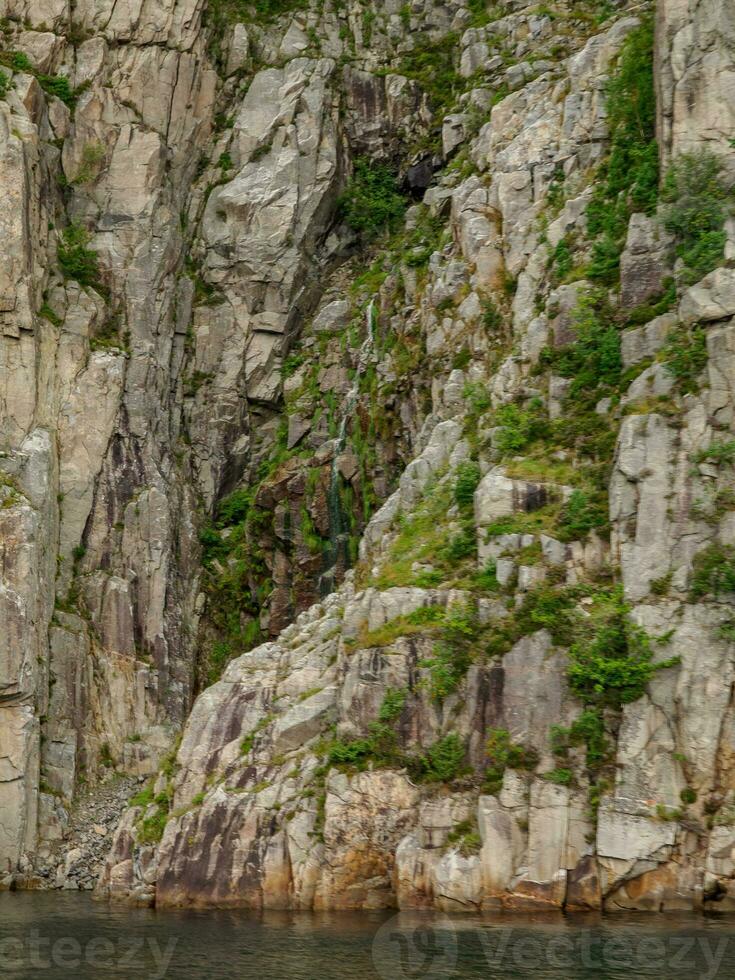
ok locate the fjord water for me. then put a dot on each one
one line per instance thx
(69, 935)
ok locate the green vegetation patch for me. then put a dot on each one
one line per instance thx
(628, 181)
(442, 762)
(713, 571)
(697, 203)
(372, 204)
(502, 754)
(77, 261)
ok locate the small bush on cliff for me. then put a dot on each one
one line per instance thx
(629, 179)
(613, 663)
(713, 571)
(433, 64)
(593, 360)
(685, 357)
(249, 10)
(4, 84)
(443, 762)
(504, 754)
(518, 427)
(59, 86)
(77, 261)
(718, 453)
(371, 203)
(454, 651)
(697, 203)
(588, 730)
(465, 484)
(581, 514)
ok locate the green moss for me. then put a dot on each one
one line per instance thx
(48, 314)
(561, 777)
(422, 621)
(718, 453)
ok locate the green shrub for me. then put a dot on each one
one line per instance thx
(685, 357)
(581, 514)
(59, 86)
(661, 586)
(461, 359)
(688, 796)
(4, 84)
(518, 427)
(713, 571)
(393, 704)
(150, 829)
(460, 546)
(251, 10)
(593, 360)
(234, 508)
(717, 452)
(697, 203)
(588, 730)
(561, 777)
(48, 314)
(371, 203)
(433, 65)
(477, 397)
(454, 651)
(92, 156)
(561, 260)
(18, 61)
(549, 608)
(628, 181)
(504, 754)
(466, 481)
(486, 580)
(614, 663)
(465, 837)
(492, 319)
(444, 760)
(76, 260)
(143, 798)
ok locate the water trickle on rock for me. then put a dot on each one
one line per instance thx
(338, 534)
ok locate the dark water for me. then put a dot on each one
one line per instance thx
(52, 935)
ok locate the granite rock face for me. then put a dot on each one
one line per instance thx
(217, 395)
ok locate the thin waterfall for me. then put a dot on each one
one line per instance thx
(338, 534)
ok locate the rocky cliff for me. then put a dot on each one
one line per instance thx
(367, 429)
